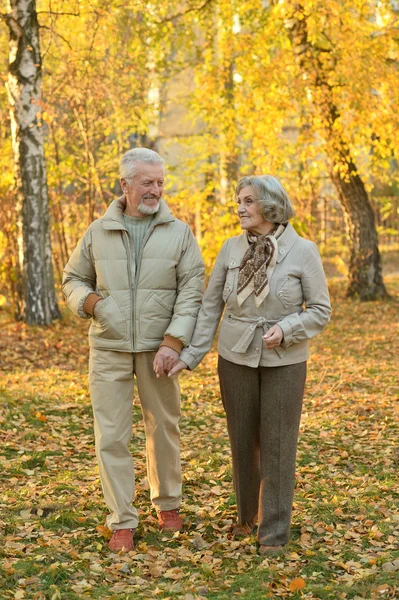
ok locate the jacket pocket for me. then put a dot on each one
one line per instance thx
(155, 316)
(289, 291)
(231, 282)
(108, 322)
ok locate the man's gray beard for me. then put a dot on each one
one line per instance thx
(148, 210)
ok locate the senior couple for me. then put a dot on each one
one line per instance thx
(138, 274)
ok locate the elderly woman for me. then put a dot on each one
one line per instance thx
(271, 285)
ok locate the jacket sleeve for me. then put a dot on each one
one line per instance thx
(79, 278)
(209, 314)
(190, 276)
(298, 327)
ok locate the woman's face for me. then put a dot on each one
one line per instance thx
(251, 218)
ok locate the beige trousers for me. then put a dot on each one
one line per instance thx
(111, 389)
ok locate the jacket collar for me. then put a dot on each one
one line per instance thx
(113, 218)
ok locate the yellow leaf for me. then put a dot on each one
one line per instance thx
(297, 584)
(41, 417)
(104, 531)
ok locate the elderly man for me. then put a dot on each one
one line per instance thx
(139, 274)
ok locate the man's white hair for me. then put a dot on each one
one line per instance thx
(129, 161)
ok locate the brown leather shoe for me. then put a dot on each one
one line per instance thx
(122, 539)
(170, 520)
(269, 549)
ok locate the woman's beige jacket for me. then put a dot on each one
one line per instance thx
(298, 301)
(145, 298)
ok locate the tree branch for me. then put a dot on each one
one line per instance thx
(184, 13)
(51, 12)
(57, 34)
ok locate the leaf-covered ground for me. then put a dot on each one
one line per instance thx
(345, 530)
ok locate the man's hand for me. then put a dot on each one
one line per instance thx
(165, 359)
(179, 366)
(273, 337)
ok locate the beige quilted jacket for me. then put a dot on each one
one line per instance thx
(165, 289)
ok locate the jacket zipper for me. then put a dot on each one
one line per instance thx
(129, 252)
(137, 274)
(136, 277)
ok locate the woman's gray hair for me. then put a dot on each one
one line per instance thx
(128, 164)
(272, 198)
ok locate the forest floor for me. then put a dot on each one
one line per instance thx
(345, 527)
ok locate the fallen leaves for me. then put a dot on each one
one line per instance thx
(199, 542)
(345, 528)
(104, 531)
(297, 584)
(41, 417)
(391, 567)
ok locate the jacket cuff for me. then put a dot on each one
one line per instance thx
(89, 303)
(172, 342)
(190, 360)
(287, 330)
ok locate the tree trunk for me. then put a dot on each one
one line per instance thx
(11, 260)
(224, 55)
(365, 270)
(24, 90)
(365, 273)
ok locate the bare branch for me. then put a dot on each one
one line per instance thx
(51, 12)
(57, 34)
(184, 12)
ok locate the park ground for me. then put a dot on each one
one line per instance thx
(345, 528)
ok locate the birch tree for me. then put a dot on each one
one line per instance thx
(24, 92)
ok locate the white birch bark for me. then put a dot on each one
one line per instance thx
(24, 91)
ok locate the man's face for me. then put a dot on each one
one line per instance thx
(145, 190)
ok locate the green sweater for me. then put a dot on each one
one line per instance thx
(137, 228)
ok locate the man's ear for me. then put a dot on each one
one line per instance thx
(124, 185)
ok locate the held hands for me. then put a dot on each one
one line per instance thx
(179, 366)
(165, 359)
(273, 337)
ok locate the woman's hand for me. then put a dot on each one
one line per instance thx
(165, 359)
(179, 366)
(273, 337)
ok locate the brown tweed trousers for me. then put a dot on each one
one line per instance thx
(263, 408)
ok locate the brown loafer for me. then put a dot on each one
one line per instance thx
(170, 520)
(122, 539)
(269, 549)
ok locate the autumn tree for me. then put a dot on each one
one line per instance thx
(250, 86)
(101, 69)
(24, 91)
(317, 59)
(296, 107)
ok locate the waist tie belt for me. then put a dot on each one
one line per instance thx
(243, 343)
